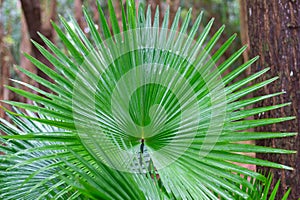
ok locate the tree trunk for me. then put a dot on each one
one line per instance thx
(153, 4)
(94, 9)
(79, 14)
(174, 5)
(274, 32)
(33, 15)
(4, 68)
(244, 29)
(25, 47)
(48, 13)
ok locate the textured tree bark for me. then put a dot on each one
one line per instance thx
(274, 32)
(33, 15)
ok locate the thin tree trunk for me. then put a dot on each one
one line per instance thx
(174, 5)
(4, 73)
(4, 68)
(95, 11)
(244, 29)
(79, 14)
(25, 47)
(48, 14)
(274, 32)
(153, 4)
(33, 15)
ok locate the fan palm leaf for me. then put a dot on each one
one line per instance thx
(141, 114)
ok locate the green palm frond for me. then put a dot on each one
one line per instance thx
(41, 167)
(29, 169)
(262, 190)
(139, 114)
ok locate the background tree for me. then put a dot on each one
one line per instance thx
(274, 32)
(38, 15)
(153, 4)
(25, 47)
(4, 65)
(244, 29)
(7, 31)
(78, 13)
(62, 163)
(39, 12)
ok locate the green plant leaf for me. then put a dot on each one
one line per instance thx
(146, 113)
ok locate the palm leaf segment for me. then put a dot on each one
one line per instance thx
(140, 114)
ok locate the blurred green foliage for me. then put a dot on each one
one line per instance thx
(10, 18)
